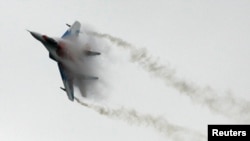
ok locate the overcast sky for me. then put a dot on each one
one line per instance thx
(206, 43)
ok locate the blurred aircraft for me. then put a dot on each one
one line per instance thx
(59, 52)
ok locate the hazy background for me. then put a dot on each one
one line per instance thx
(206, 43)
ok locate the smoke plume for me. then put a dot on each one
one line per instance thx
(85, 69)
(161, 125)
(225, 104)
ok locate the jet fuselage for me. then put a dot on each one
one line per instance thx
(57, 48)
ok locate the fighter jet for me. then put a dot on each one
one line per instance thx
(58, 52)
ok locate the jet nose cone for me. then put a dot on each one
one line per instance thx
(36, 35)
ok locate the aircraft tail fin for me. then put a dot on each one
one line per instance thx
(73, 30)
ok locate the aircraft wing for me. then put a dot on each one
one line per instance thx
(67, 81)
(73, 31)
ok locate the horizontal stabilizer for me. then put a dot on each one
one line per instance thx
(91, 53)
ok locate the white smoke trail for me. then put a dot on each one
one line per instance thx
(226, 105)
(174, 132)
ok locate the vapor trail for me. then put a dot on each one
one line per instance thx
(224, 104)
(176, 133)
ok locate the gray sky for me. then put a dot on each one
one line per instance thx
(205, 42)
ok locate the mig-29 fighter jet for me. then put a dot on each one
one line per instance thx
(58, 52)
